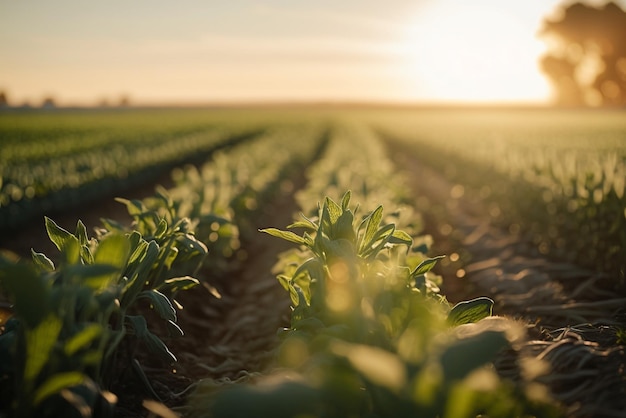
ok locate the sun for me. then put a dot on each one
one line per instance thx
(473, 52)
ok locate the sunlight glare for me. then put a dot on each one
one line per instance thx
(464, 52)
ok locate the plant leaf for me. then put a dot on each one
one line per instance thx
(160, 303)
(371, 226)
(30, 291)
(82, 339)
(470, 311)
(468, 354)
(286, 235)
(66, 242)
(39, 343)
(425, 266)
(42, 262)
(57, 383)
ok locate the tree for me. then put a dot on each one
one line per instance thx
(587, 59)
(4, 102)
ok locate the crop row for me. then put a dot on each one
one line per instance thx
(78, 165)
(76, 319)
(370, 333)
(563, 189)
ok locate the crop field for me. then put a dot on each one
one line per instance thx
(313, 262)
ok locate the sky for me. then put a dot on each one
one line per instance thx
(195, 52)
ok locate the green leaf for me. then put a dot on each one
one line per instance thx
(112, 225)
(161, 229)
(379, 240)
(294, 295)
(30, 291)
(158, 347)
(66, 242)
(311, 222)
(82, 339)
(345, 200)
(343, 227)
(138, 324)
(400, 237)
(94, 276)
(192, 244)
(57, 383)
(173, 329)
(333, 210)
(86, 255)
(470, 311)
(139, 273)
(58, 235)
(81, 233)
(39, 344)
(177, 284)
(135, 207)
(303, 224)
(286, 235)
(468, 354)
(371, 226)
(42, 262)
(114, 250)
(378, 366)
(160, 303)
(425, 266)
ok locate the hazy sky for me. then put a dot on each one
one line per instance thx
(206, 51)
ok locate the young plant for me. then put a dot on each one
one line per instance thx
(71, 317)
(371, 336)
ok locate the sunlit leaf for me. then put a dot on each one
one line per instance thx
(371, 222)
(57, 383)
(426, 266)
(177, 284)
(82, 339)
(470, 311)
(375, 364)
(160, 303)
(333, 210)
(81, 233)
(40, 341)
(66, 242)
(286, 235)
(42, 262)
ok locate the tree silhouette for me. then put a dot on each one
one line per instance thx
(587, 59)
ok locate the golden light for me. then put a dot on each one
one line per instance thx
(477, 51)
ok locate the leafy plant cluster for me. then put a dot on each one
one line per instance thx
(223, 195)
(370, 333)
(564, 189)
(61, 350)
(79, 323)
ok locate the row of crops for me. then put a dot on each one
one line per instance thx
(557, 179)
(75, 317)
(370, 332)
(56, 161)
